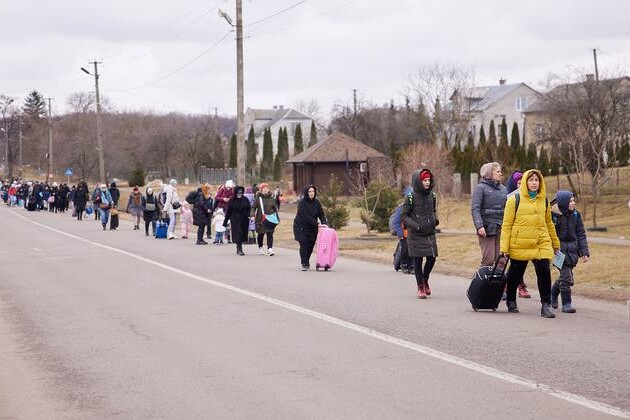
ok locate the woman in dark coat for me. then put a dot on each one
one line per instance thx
(201, 212)
(150, 210)
(305, 224)
(419, 215)
(237, 214)
(81, 195)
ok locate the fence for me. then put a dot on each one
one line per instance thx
(216, 175)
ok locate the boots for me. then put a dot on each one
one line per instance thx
(421, 293)
(512, 308)
(523, 293)
(566, 302)
(427, 289)
(546, 312)
(555, 291)
(239, 250)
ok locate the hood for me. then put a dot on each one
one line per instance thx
(512, 182)
(563, 198)
(415, 181)
(239, 188)
(112, 185)
(305, 193)
(542, 190)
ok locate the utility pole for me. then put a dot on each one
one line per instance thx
(595, 58)
(99, 123)
(50, 141)
(354, 115)
(20, 144)
(240, 129)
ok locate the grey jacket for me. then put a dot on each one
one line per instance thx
(488, 204)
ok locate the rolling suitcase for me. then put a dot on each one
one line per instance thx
(113, 222)
(487, 285)
(161, 229)
(327, 248)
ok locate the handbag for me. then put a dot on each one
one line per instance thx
(104, 206)
(175, 205)
(114, 212)
(269, 221)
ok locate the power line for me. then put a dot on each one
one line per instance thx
(275, 14)
(181, 67)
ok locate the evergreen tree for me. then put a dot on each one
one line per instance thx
(554, 161)
(515, 142)
(313, 137)
(283, 144)
(251, 149)
(35, 105)
(531, 158)
(298, 145)
(503, 132)
(266, 165)
(543, 162)
(233, 158)
(216, 152)
(624, 153)
(456, 155)
(277, 167)
(492, 134)
(482, 136)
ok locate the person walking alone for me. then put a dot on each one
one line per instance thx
(306, 225)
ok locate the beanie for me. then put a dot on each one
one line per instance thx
(425, 175)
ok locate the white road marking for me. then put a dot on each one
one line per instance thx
(427, 351)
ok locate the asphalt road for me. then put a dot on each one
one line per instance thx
(100, 324)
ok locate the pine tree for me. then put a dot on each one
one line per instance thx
(266, 165)
(251, 149)
(218, 157)
(503, 134)
(554, 161)
(313, 137)
(515, 142)
(283, 144)
(543, 162)
(298, 145)
(531, 158)
(277, 167)
(492, 134)
(35, 105)
(233, 158)
(624, 153)
(482, 136)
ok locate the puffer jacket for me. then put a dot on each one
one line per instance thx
(419, 215)
(488, 202)
(570, 229)
(529, 233)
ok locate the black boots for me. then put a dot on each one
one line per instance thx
(566, 302)
(511, 305)
(546, 311)
(555, 291)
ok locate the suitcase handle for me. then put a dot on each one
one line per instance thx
(501, 263)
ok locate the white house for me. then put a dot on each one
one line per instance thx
(487, 103)
(274, 119)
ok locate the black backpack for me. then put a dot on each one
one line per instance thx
(191, 197)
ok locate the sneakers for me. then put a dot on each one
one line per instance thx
(240, 252)
(304, 267)
(546, 312)
(270, 252)
(421, 293)
(202, 243)
(261, 251)
(523, 292)
(171, 236)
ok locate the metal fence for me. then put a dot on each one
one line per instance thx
(216, 175)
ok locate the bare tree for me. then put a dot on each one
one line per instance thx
(432, 157)
(586, 119)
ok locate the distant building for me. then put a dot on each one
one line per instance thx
(484, 104)
(274, 119)
(345, 157)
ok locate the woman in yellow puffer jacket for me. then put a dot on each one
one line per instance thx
(528, 234)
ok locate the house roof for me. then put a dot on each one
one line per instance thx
(539, 106)
(272, 116)
(337, 147)
(483, 97)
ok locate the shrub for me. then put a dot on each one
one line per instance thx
(137, 177)
(336, 213)
(378, 202)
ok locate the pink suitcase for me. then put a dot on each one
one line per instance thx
(327, 248)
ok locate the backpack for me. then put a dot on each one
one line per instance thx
(392, 221)
(191, 197)
(517, 201)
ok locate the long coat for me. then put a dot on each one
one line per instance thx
(238, 215)
(305, 223)
(420, 218)
(529, 234)
(200, 209)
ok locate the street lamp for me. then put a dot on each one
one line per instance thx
(240, 129)
(99, 124)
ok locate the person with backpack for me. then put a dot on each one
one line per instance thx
(573, 245)
(397, 228)
(150, 210)
(528, 234)
(103, 200)
(513, 184)
(420, 217)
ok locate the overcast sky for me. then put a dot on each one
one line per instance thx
(180, 55)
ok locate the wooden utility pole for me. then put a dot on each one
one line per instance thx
(50, 141)
(595, 58)
(240, 123)
(99, 128)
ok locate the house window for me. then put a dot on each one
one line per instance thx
(539, 131)
(521, 103)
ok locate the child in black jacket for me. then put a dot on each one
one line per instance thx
(573, 245)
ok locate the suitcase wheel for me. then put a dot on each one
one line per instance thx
(316, 267)
(474, 308)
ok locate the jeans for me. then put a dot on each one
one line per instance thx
(104, 215)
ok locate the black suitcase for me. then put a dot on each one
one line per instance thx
(398, 257)
(113, 223)
(487, 285)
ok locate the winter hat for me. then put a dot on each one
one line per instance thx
(238, 189)
(135, 188)
(229, 184)
(425, 175)
(220, 211)
(263, 185)
(149, 190)
(173, 182)
(103, 187)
